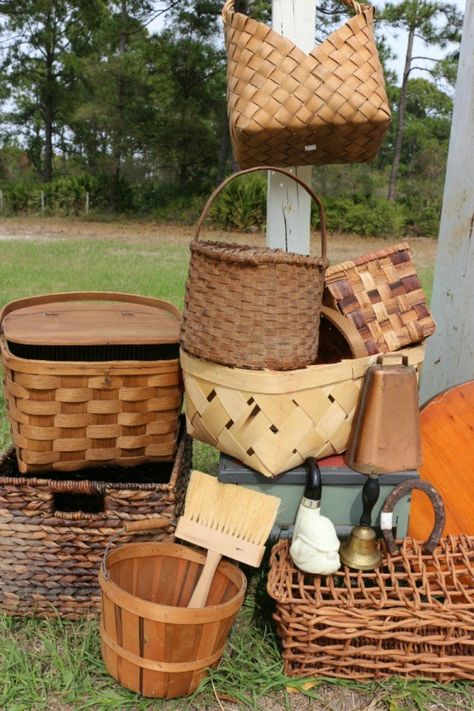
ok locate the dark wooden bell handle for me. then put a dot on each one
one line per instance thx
(395, 495)
(370, 495)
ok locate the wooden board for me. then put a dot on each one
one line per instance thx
(447, 437)
(79, 323)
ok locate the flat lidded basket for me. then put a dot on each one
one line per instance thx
(91, 378)
(288, 107)
(382, 295)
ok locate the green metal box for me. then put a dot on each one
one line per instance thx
(341, 493)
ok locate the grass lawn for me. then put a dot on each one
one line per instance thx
(56, 665)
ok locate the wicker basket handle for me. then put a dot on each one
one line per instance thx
(395, 495)
(88, 296)
(311, 193)
(228, 8)
(154, 523)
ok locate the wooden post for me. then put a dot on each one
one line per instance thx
(1, 200)
(87, 203)
(42, 201)
(450, 352)
(288, 205)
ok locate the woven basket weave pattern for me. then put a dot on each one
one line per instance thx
(413, 616)
(69, 416)
(382, 294)
(273, 421)
(253, 307)
(49, 559)
(282, 101)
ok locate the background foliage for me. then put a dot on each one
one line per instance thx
(125, 100)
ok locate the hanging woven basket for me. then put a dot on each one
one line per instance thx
(287, 107)
(253, 307)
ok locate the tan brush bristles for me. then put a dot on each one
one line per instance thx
(230, 508)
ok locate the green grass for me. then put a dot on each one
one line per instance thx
(55, 664)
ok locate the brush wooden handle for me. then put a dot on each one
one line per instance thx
(201, 591)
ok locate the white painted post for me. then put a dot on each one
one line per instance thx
(450, 352)
(87, 203)
(288, 205)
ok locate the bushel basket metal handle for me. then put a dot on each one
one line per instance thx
(152, 523)
(311, 193)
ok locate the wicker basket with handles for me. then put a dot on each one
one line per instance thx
(287, 107)
(253, 307)
(91, 378)
(412, 616)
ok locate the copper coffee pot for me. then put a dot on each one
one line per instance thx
(385, 437)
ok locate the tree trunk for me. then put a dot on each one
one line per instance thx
(48, 113)
(392, 186)
(122, 48)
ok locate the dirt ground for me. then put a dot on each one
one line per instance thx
(340, 247)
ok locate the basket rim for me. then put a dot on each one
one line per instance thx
(80, 367)
(253, 256)
(163, 613)
(287, 381)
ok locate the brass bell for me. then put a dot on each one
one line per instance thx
(360, 550)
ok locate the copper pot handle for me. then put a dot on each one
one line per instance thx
(395, 495)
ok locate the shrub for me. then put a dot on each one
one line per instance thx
(242, 205)
(374, 217)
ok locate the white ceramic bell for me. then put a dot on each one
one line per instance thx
(315, 544)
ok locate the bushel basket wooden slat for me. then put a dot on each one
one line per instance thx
(152, 643)
(253, 307)
(413, 616)
(91, 378)
(287, 107)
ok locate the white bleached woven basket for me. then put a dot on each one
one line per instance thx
(271, 420)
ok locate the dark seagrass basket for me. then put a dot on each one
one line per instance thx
(54, 529)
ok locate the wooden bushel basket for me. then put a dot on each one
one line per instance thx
(253, 307)
(151, 642)
(90, 379)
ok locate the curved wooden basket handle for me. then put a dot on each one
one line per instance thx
(45, 299)
(311, 193)
(153, 523)
(395, 495)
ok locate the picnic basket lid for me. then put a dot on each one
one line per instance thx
(90, 318)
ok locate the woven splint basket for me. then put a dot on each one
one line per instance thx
(287, 107)
(91, 378)
(413, 616)
(382, 295)
(273, 421)
(253, 307)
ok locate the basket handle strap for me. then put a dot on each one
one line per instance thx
(395, 495)
(228, 8)
(348, 330)
(154, 523)
(311, 193)
(89, 296)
